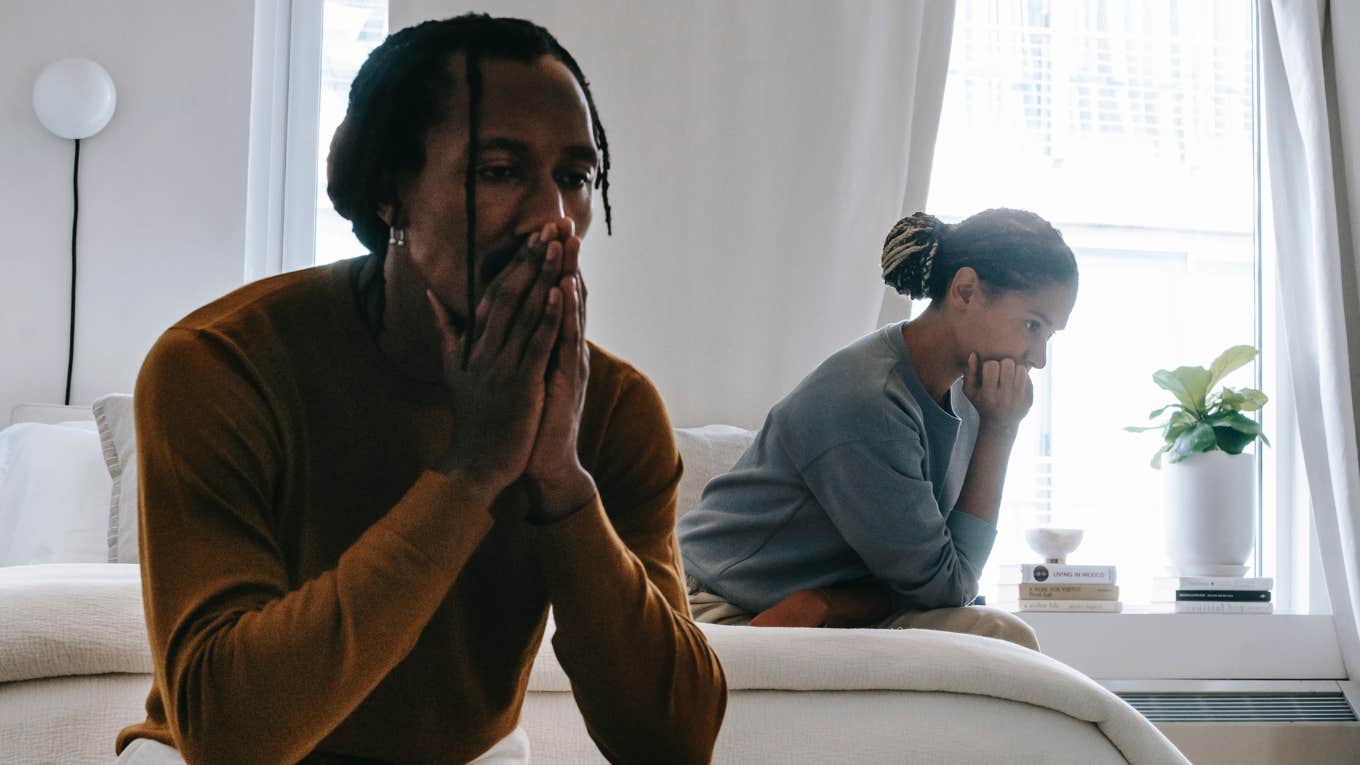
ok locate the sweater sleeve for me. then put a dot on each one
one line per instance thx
(252, 667)
(876, 494)
(645, 679)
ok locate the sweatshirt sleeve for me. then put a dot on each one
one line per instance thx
(645, 679)
(876, 494)
(252, 667)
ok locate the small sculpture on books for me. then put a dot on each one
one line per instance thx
(1053, 545)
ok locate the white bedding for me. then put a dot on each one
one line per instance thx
(869, 727)
(68, 720)
(71, 619)
(926, 663)
(797, 695)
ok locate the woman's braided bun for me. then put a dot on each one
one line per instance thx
(909, 252)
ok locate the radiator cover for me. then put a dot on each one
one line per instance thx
(1185, 707)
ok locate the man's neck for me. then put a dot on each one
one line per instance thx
(409, 339)
(930, 344)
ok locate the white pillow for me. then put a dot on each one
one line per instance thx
(53, 494)
(118, 439)
(707, 453)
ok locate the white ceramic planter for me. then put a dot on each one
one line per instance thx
(1210, 505)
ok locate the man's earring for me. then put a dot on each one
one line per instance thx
(397, 237)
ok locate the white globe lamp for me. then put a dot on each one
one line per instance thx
(74, 97)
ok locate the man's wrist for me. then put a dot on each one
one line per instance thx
(560, 497)
(477, 487)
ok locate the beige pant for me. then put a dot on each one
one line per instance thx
(974, 620)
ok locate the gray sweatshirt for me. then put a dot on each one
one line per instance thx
(853, 475)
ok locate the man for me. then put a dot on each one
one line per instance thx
(360, 495)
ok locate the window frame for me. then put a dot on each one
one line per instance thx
(1299, 640)
(1284, 557)
(285, 113)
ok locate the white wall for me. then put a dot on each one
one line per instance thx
(761, 151)
(162, 188)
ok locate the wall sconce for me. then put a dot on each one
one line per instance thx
(74, 98)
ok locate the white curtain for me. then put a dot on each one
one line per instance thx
(1312, 113)
(761, 151)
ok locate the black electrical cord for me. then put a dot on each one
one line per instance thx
(75, 217)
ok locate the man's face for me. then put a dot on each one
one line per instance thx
(536, 163)
(1018, 325)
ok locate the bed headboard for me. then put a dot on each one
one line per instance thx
(49, 413)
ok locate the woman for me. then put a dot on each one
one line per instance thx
(870, 496)
(360, 495)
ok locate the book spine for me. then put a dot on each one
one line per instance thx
(1057, 574)
(1012, 592)
(1219, 596)
(1212, 583)
(1224, 608)
(1088, 606)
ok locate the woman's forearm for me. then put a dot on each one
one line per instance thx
(982, 485)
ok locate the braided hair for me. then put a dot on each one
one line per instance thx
(1009, 249)
(399, 95)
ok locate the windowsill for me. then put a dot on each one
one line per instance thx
(1144, 645)
(1141, 609)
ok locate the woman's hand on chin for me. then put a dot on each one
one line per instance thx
(1000, 390)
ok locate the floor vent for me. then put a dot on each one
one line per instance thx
(1241, 707)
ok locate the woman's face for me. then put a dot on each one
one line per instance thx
(1016, 325)
(536, 163)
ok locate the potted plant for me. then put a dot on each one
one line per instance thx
(1209, 482)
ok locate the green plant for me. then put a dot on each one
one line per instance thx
(1201, 422)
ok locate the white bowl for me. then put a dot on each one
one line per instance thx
(1053, 545)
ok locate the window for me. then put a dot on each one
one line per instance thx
(351, 29)
(1130, 126)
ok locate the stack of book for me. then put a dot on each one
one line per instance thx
(1215, 594)
(1058, 587)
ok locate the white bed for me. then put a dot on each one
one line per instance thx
(74, 669)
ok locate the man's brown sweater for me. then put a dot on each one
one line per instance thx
(313, 589)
